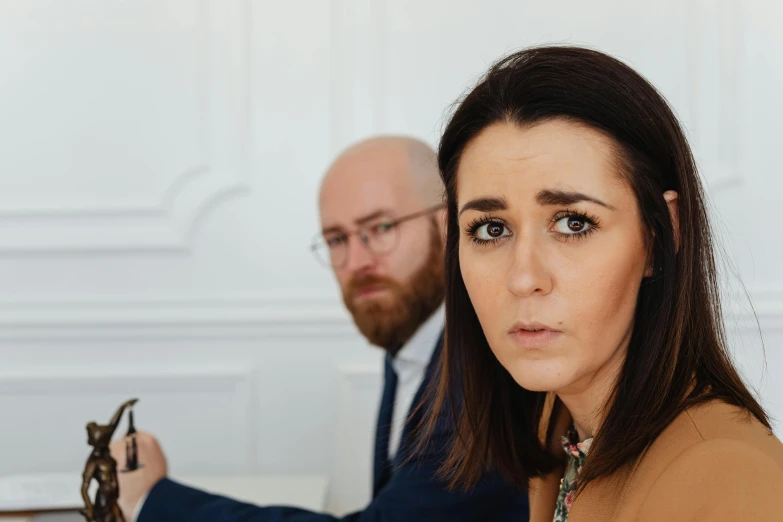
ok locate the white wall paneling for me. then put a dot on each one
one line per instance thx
(358, 70)
(715, 40)
(359, 393)
(130, 122)
(48, 410)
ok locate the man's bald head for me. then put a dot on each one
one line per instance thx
(399, 161)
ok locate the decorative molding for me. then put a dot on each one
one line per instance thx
(167, 224)
(357, 73)
(161, 208)
(714, 82)
(279, 315)
(143, 380)
(173, 318)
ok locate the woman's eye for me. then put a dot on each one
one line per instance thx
(491, 230)
(572, 225)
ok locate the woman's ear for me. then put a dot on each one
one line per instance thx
(673, 202)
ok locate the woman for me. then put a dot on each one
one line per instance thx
(582, 302)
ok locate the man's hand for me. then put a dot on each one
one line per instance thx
(136, 484)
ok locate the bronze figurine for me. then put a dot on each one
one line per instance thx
(102, 468)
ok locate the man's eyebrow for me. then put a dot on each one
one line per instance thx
(332, 230)
(370, 217)
(360, 221)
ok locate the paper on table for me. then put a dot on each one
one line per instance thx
(40, 491)
(58, 517)
(48, 491)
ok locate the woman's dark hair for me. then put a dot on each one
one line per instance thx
(677, 356)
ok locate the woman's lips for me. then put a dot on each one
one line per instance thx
(534, 338)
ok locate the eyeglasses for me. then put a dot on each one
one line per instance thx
(380, 236)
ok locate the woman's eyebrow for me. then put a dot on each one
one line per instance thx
(564, 197)
(485, 204)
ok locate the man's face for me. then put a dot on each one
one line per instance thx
(389, 294)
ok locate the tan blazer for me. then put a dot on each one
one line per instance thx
(713, 463)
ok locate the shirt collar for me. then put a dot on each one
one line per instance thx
(419, 348)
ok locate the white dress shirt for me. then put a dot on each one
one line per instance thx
(411, 364)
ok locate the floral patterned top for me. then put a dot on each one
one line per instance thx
(577, 452)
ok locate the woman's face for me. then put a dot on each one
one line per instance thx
(552, 251)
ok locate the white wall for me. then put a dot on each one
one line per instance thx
(158, 176)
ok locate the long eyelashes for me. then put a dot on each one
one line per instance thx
(591, 224)
(473, 227)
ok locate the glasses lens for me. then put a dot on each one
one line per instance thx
(330, 252)
(382, 237)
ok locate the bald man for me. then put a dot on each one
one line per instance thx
(382, 223)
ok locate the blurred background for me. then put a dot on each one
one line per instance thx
(159, 166)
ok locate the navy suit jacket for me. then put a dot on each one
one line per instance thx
(407, 490)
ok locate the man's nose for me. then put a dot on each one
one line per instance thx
(359, 256)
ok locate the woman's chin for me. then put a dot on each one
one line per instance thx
(539, 378)
(537, 385)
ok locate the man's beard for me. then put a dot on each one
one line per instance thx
(391, 323)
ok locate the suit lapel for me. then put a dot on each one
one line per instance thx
(602, 499)
(415, 413)
(382, 466)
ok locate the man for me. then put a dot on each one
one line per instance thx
(382, 234)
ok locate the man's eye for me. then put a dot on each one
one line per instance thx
(382, 228)
(335, 241)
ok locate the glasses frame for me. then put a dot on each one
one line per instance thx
(320, 243)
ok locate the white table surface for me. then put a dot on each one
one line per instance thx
(308, 492)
